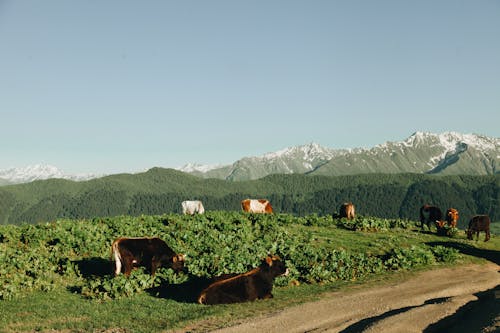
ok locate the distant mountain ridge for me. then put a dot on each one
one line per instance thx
(449, 153)
(39, 172)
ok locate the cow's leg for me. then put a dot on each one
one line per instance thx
(128, 265)
(154, 266)
(487, 238)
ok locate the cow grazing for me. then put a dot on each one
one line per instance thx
(192, 207)
(430, 214)
(148, 252)
(452, 217)
(249, 286)
(479, 223)
(347, 210)
(440, 224)
(256, 206)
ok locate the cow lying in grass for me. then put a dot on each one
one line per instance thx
(479, 223)
(148, 252)
(249, 286)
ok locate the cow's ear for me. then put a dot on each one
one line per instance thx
(269, 261)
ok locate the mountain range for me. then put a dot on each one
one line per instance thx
(448, 153)
(39, 172)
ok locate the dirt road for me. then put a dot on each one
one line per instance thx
(461, 299)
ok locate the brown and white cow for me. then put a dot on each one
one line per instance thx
(452, 217)
(430, 214)
(347, 210)
(256, 206)
(479, 223)
(249, 286)
(191, 207)
(147, 252)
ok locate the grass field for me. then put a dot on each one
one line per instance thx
(55, 276)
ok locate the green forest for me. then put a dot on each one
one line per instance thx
(161, 191)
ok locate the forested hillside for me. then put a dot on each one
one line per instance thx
(159, 191)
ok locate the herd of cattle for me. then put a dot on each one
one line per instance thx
(432, 214)
(257, 283)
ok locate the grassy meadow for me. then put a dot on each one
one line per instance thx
(57, 276)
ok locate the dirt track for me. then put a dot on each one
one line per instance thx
(461, 299)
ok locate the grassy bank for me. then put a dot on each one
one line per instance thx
(57, 275)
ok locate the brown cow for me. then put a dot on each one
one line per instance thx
(249, 286)
(347, 210)
(452, 217)
(430, 214)
(148, 252)
(479, 223)
(256, 206)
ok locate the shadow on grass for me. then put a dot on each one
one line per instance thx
(94, 267)
(475, 316)
(186, 292)
(360, 326)
(491, 255)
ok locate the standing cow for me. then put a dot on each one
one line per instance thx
(430, 214)
(347, 210)
(148, 252)
(256, 206)
(192, 207)
(452, 217)
(479, 223)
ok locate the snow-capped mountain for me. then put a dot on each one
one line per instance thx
(39, 172)
(196, 167)
(297, 159)
(446, 153)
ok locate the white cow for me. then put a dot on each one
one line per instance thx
(192, 207)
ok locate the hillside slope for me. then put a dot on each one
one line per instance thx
(159, 191)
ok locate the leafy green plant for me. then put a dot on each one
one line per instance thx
(76, 253)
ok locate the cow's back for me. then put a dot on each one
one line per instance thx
(192, 207)
(256, 206)
(477, 224)
(480, 222)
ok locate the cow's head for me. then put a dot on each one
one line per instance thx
(268, 209)
(177, 262)
(452, 214)
(274, 266)
(440, 224)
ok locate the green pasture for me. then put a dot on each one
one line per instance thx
(57, 276)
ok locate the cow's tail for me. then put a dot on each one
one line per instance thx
(115, 255)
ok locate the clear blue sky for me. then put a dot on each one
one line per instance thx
(120, 86)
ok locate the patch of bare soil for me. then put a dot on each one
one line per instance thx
(459, 299)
